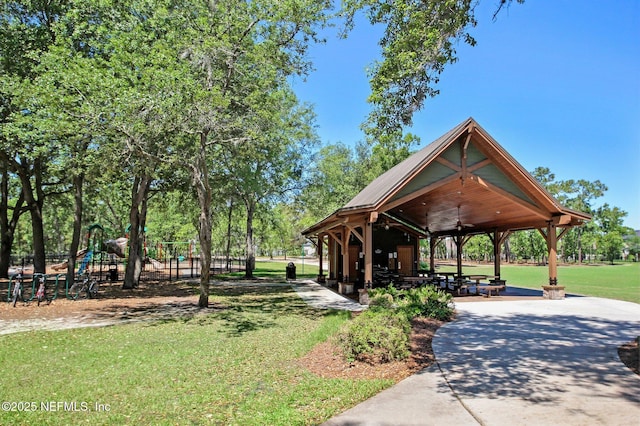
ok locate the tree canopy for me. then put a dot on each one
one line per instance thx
(178, 116)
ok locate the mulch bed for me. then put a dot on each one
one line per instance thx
(326, 359)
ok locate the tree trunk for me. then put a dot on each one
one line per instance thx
(229, 235)
(200, 176)
(137, 219)
(250, 261)
(78, 182)
(507, 250)
(7, 226)
(579, 231)
(204, 235)
(34, 200)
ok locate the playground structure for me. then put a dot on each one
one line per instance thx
(103, 261)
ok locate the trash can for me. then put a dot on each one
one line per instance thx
(291, 271)
(113, 273)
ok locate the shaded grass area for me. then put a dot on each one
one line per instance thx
(619, 281)
(232, 364)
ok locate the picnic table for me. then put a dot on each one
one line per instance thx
(477, 278)
(446, 275)
(415, 281)
(493, 286)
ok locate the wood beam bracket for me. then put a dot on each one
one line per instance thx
(352, 229)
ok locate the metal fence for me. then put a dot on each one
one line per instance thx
(112, 268)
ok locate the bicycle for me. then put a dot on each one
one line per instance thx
(41, 294)
(88, 287)
(17, 288)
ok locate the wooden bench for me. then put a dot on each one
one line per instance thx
(412, 282)
(490, 288)
(464, 288)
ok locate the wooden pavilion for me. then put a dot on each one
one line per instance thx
(462, 184)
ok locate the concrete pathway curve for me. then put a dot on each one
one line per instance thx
(321, 297)
(527, 362)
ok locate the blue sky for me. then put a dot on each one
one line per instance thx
(555, 82)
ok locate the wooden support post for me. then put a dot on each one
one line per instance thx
(346, 234)
(368, 255)
(320, 254)
(458, 241)
(432, 254)
(497, 238)
(552, 243)
(496, 253)
(331, 255)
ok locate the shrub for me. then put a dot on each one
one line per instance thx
(381, 301)
(428, 302)
(381, 333)
(416, 302)
(378, 335)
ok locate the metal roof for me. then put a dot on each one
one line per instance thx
(463, 177)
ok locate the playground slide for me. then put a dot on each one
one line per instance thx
(62, 266)
(155, 263)
(117, 246)
(85, 262)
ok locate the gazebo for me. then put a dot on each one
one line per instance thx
(462, 184)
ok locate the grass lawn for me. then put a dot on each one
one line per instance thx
(277, 270)
(620, 281)
(235, 364)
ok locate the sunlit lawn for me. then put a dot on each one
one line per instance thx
(276, 270)
(234, 365)
(619, 281)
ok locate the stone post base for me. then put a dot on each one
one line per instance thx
(363, 296)
(345, 288)
(553, 292)
(321, 279)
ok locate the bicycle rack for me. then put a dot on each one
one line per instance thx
(10, 293)
(55, 289)
(66, 289)
(33, 288)
(68, 286)
(22, 277)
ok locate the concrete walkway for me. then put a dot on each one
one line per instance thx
(321, 297)
(523, 362)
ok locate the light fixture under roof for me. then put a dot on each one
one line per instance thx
(426, 229)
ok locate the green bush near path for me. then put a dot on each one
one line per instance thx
(236, 364)
(382, 332)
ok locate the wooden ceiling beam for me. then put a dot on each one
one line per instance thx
(354, 231)
(533, 209)
(449, 164)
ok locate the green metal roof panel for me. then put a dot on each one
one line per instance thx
(493, 175)
(432, 174)
(453, 154)
(473, 155)
(389, 181)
